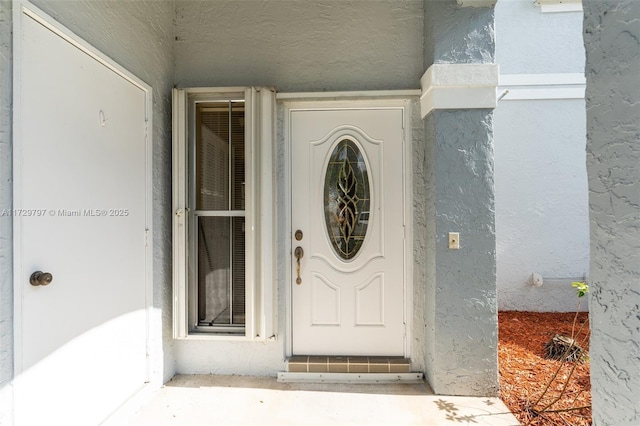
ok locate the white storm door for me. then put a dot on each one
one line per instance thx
(348, 202)
(80, 165)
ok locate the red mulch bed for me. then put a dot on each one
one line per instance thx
(524, 372)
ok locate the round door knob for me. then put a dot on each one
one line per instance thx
(40, 278)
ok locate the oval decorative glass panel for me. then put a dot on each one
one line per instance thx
(346, 199)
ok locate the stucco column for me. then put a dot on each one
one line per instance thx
(612, 43)
(459, 94)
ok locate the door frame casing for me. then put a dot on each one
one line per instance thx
(25, 10)
(347, 101)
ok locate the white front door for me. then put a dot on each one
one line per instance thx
(348, 218)
(81, 213)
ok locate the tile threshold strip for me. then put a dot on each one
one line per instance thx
(348, 364)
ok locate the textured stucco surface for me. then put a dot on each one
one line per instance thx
(461, 284)
(542, 222)
(6, 242)
(139, 36)
(418, 336)
(541, 183)
(325, 45)
(461, 302)
(612, 43)
(455, 35)
(532, 42)
(430, 243)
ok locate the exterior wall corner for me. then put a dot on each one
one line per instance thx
(611, 40)
(461, 307)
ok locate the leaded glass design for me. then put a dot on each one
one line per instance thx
(346, 199)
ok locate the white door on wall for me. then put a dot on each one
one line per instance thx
(81, 215)
(348, 222)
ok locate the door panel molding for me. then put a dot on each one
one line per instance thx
(324, 290)
(357, 266)
(366, 293)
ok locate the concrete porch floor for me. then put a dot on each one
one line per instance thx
(257, 401)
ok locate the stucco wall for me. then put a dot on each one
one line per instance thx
(532, 42)
(541, 181)
(612, 43)
(324, 45)
(461, 323)
(418, 333)
(458, 35)
(541, 203)
(461, 305)
(6, 242)
(429, 268)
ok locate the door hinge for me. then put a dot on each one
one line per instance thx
(146, 237)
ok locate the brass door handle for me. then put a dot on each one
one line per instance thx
(40, 278)
(299, 254)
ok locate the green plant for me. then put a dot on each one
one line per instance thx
(582, 289)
